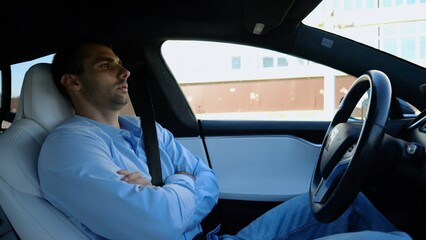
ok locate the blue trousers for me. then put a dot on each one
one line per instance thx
(293, 220)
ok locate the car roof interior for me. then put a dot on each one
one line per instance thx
(48, 23)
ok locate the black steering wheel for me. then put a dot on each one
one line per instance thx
(348, 152)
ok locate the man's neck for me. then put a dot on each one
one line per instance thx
(109, 117)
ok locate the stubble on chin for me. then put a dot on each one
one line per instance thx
(120, 102)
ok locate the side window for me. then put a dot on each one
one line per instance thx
(227, 81)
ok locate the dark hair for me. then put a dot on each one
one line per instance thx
(69, 59)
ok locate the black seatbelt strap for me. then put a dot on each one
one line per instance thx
(148, 125)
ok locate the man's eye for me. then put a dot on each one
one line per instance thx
(105, 65)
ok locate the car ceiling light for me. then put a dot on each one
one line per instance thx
(258, 28)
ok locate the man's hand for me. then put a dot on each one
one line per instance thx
(134, 178)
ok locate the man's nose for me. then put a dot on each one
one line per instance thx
(124, 73)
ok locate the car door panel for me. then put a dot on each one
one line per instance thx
(270, 168)
(195, 146)
(274, 160)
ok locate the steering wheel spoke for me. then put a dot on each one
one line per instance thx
(327, 186)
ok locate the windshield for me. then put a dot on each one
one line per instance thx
(397, 27)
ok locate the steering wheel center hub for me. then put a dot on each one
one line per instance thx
(340, 141)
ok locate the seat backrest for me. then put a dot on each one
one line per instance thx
(41, 109)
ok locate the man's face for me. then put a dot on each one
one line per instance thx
(104, 79)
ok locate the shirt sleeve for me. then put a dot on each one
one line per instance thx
(205, 180)
(77, 176)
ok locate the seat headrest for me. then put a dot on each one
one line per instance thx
(40, 100)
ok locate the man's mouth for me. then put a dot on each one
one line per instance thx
(123, 88)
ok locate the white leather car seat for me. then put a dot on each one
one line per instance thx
(41, 109)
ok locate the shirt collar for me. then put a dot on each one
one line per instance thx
(126, 124)
(131, 124)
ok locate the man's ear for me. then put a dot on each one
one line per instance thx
(71, 82)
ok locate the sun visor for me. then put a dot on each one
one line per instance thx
(260, 16)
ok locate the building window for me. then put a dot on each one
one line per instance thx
(423, 47)
(358, 4)
(282, 62)
(408, 46)
(268, 62)
(370, 4)
(236, 62)
(390, 46)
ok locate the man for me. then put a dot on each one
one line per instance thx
(93, 168)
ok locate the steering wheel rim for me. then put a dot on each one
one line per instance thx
(346, 154)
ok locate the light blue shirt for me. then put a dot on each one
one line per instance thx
(78, 166)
